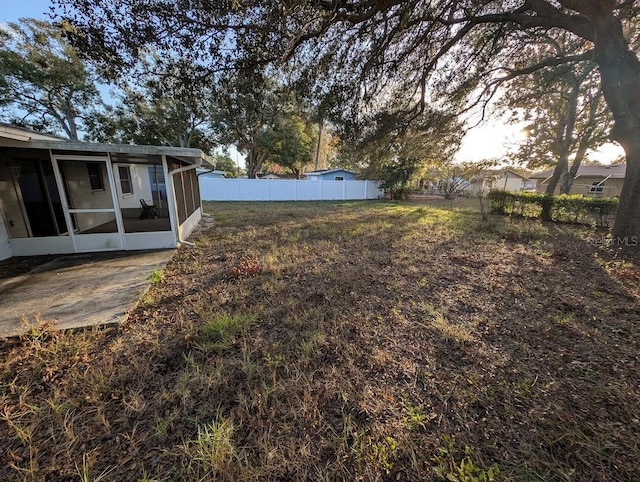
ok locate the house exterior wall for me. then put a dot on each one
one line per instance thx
(611, 187)
(141, 186)
(5, 247)
(509, 182)
(331, 176)
(581, 185)
(16, 225)
(83, 197)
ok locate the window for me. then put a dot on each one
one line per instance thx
(158, 186)
(95, 176)
(596, 188)
(338, 178)
(125, 179)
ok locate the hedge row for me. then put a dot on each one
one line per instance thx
(566, 208)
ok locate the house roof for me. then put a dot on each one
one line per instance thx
(511, 171)
(614, 172)
(122, 152)
(319, 172)
(11, 131)
(501, 171)
(205, 170)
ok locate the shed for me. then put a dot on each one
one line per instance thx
(59, 196)
(209, 174)
(331, 175)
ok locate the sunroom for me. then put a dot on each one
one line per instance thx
(58, 196)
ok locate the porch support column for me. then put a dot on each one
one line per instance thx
(63, 198)
(171, 196)
(116, 201)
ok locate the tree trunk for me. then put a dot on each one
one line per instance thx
(73, 129)
(626, 228)
(558, 172)
(565, 130)
(570, 175)
(484, 209)
(320, 126)
(620, 75)
(252, 167)
(255, 159)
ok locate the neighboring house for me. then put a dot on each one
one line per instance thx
(502, 179)
(603, 181)
(331, 175)
(268, 176)
(60, 196)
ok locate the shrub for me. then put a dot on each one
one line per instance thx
(566, 208)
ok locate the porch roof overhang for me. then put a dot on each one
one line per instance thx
(120, 152)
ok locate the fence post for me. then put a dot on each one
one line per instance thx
(366, 189)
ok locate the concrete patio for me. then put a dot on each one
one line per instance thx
(77, 290)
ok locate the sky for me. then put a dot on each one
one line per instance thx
(13, 10)
(493, 139)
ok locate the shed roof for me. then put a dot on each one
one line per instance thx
(319, 172)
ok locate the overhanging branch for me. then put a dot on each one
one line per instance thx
(550, 62)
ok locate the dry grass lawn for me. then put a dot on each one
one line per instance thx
(345, 341)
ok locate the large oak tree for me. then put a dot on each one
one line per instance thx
(439, 50)
(564, 113)
(43, 81)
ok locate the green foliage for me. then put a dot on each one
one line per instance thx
(397, 175)
(223, 162)
(382, 148)
(383, 453)
(455, 467)
(562, 108)
(219, 329)
(294, 142)
(211, 451)
(452, 179)
(248, 106)
(414, 417)
(163, 104)
(43, 81)
(157, 276)
(567, 208)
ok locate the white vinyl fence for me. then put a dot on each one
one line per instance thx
(287, 190)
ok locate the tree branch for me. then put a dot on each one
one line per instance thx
(550, 62)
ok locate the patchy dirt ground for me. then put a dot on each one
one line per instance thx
(345, 341)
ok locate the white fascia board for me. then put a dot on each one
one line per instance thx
(187, 154)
